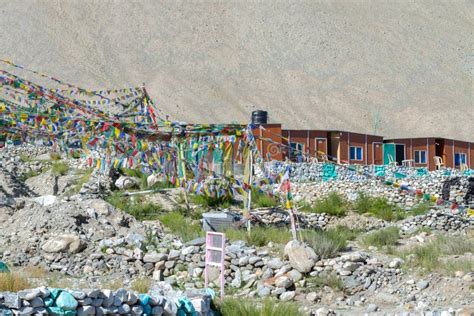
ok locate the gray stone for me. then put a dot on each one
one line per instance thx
(67, 242)
(108, 298)
(396, 263)
(284, 282)
(312, 297)
(37, 302)
(288, 296)
(124, 309)
(132, 298)
(187, 251)
(174, 254)
(97, 302)
(372, 308)
(237, 281)
(137, 310)
(275, 263)
(302, 257)
(121, 296)
(86, 310)
(29, 294)
(124, 182)
(79, 295)
(11, 300)
(25, 311)
(197, 242)
(154, 257)
(264, 291)
(422, 284)
(158, 310)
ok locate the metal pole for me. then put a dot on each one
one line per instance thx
(250, 192)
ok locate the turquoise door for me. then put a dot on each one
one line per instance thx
(388, 150)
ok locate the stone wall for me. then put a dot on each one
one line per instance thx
(50, 301)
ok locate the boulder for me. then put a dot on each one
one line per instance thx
(124, 183)
(66, 301)
(301, 256)
(63, 243)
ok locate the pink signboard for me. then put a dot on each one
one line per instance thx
(215, 252)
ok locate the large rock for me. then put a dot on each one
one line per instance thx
(124, 183)
(301, 256)
(63, 243)
(66, 301)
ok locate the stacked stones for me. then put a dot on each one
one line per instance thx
(44, 301)
(441, 220)
(281, 218)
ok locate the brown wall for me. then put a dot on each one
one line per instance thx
(471, 156)
(273, 147)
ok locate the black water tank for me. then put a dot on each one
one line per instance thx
(259, 117)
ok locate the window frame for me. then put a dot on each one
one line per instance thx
(460, 161)
(356, 149)
(417, 155)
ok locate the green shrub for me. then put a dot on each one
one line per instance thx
(378, 207)
(135, 207)
(328, 243)
(262, 199)
(55, 156)
(83, 177)
(210, 201)
(420, 209)
(451, 266)
(333, 204)
(325, 279)
(384, 237)
(240, 307)
(427, 257)
(60, 168)
(260, 236)
(181, 226)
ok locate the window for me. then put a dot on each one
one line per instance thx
(296, 151)
(356, 153)
(459, 158)
(420, 156)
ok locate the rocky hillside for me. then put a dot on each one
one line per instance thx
(343, 65)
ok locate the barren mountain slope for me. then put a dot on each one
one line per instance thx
(336, 65)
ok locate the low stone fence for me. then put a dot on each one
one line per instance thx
(50, 301)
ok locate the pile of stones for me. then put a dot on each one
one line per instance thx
(440, 220)
(281, 218)
(162, 300)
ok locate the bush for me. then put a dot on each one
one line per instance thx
(239, 307)
(141, 285)
(262, 199)
(451, 266)
(327, 244)
(12, 282)
(427, 257)
(210, 201)
(181, 226)
(383, 237)
(420, 209)
(378, 207)
(260, 236)
(333, 204)
(325, 279)
(54, 156)
(60, 168)
(136, 207)
(83, 177)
